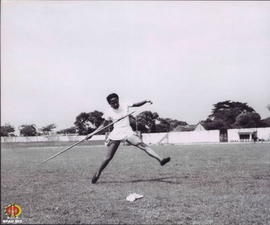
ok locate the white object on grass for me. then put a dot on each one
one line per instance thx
(132, 197)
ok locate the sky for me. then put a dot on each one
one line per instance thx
(61, 58)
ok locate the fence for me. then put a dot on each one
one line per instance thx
(50, 138)
(208, 136)
(152, 138)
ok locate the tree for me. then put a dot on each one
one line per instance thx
(83, 125)
(133, 122)
(162, 125)
(247, 120)
(265, 122)
(47, 129)
(216, 124)
(174, 123)
(95, 118)
(146, 121)
(28, 130)
(88, 122)
(151, 122)
(6, 130)
(224, 114)
(70, 130)
(168, 124)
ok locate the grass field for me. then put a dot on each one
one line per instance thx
(203, 184)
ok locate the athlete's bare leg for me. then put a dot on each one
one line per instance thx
(149, 151)
(111, 151)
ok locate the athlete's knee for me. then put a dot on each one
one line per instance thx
(137, 143)
(143, 144)
(111, 151)
(107, 159)
(109, 156)
(134, 140)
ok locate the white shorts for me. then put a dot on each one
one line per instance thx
(132, 139)
(121, 133)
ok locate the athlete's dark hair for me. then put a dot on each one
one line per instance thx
(110, 96)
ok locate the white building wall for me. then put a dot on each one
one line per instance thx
(155, 138)
(194, 137)
(233, 135)
(182, 137)
(262, 133)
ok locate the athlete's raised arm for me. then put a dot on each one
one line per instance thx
(138, 104)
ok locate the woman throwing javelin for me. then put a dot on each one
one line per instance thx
(122, 131)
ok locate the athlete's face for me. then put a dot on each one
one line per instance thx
(114, 103)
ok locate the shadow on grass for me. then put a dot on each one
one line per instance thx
(168, 180)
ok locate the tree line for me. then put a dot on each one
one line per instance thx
(224, 115)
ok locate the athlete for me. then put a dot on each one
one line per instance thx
(122, 132)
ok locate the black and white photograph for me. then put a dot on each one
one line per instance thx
(135, 112)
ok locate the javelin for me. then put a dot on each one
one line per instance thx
(87, 137)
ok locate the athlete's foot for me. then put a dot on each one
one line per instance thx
(164, 161)
(95, 179)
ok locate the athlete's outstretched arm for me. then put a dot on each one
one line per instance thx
(138, 104)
